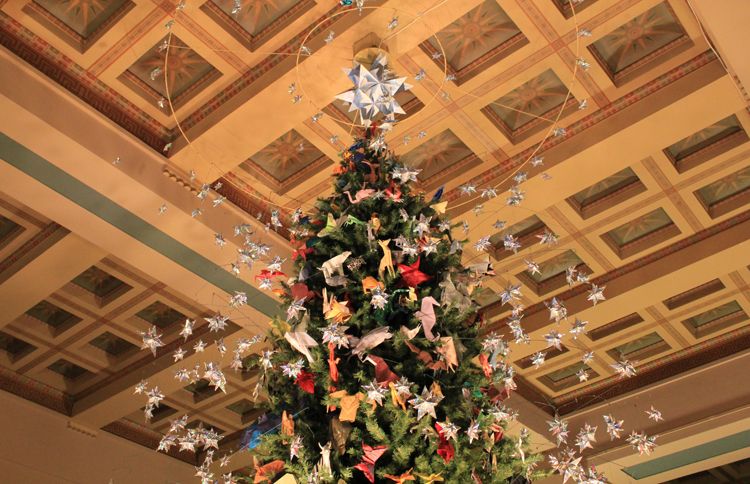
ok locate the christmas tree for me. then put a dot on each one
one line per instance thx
(380, 372)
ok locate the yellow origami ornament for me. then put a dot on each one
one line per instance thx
(396, 398)
(386, 263)
(440, 208)
(287, 424)
(332, 309)
(430, 478)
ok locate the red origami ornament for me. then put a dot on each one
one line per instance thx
(266, 274)
(305, 381)
(412, 275)
(383, 373)
(333, 370)
(372, 454)
(301, 291)
(301, 252)
(445, 448)
(485, 365)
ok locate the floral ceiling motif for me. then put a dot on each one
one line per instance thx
(82, 16)
(475, 34)
(185, 70)
(640, 227)
(534, 98)
(437, 154)
(705, 137)
(726, 187)
(286, 156)
(636, 39)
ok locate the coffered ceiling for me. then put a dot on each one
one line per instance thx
(647, 186)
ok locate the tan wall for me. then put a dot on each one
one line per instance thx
(38, 447)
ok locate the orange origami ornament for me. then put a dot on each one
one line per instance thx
(406, 476)
(429, 479)
(287, 424)
(349, 405)
(396, 398)
(266, 472)
(369, 283)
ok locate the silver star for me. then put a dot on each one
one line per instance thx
(179, 354)
(554, 338)
(511, 243)
(654, 414)
(585, 436)
(537, 161)
(499, 224)
(292, 370)
(151, 339)
(187, 328)
(489, 192)
(532, 267)
(559, 429)
(379, 299)
(450, 430)
(468, 189)
(578, 328)
(538, 359)
(292, 312)
(425, 403)
(483, 244)
(582, 375)
(473, 431)
(614, 427)
(588, 356)
(557, 310)
(510, 293)
(374, 90)
(140, 388)
(596, 293)
(239, 299)
(199, 346)
(547, 238)
(624, 368)
(642, 442)
(217, 323)
(375, 393)
(329, 38)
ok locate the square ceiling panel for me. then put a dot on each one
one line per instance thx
(160, 315)
(79, 23)
(607, 193)
(253, 22)
(112, 344)
(715, 319)
(442, 154)
(570, 7)
(726, 194)
(69, 370)
(643, 232)
(567, 377)
(8, 231)
(639, 43)
(552, 272)
(14, 347)
(103, 286)
(286, 162)
(187, 73)
(55, 317)
(475, 41)
(640, 348)
(706, 144)
(518, 114)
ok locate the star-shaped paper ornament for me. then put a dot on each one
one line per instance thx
(374, 90)
(425, 403)
(411, 274)
(614, 427)
(151, 339)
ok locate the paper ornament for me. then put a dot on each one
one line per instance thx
(386, 263)
(367, 465)
(411, 274)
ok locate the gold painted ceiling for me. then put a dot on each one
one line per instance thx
(647, 188)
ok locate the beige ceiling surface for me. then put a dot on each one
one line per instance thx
(647, 188)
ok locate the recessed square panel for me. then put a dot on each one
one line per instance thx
(186, 72)
(640, 348)
(694, 294)
(715, 319)
(161, 412)
(112, 344)
(54, 316)
(607, 193)
(246, 409)
(201, 390)
(706, 144)
(552, 272)
(160, 315)
(639, 41)
(566, 377)
(524, 231)
(69, 370)
(285, 161)
(437, 155)
(14, 347)
(518, 114)
(643, 232)
(726, 194)
(9, 230)
(475, 40)
(100, 283)
(615, 326)
(78, 22)
(252, 22)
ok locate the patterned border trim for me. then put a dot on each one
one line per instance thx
(35, 391)
(52, 63)
(40, 242)
(593, 119)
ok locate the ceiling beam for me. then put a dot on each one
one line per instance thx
(54, 257)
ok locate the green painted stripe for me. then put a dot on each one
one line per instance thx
(86, 197)
(685, 457)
